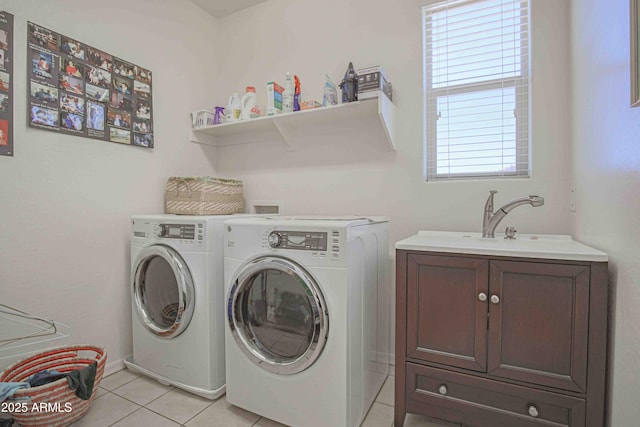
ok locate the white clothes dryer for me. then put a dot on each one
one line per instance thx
(177, 292)
(307, 320)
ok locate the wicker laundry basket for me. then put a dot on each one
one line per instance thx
(203, 196)
(55, 404)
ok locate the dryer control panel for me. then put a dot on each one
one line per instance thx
(301, 240)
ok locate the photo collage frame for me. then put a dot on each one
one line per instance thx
(79, 90)
(6, 84)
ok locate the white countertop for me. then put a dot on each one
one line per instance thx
(544, 246)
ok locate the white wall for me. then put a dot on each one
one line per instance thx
(344, 175)
(66, 201)
(606, 164)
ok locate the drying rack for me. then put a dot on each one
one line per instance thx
(22, 334)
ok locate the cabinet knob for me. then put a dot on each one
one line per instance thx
(533, 411)
(482, 296)
(495, 299)
(443, 389)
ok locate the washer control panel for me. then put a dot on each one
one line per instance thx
(300, 240)
(186, 235)
(177, 231)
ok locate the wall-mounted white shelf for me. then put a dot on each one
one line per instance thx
(370, 115)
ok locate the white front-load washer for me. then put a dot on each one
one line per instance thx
(307, 317)
(178, 304)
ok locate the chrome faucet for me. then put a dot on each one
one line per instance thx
(491, 219)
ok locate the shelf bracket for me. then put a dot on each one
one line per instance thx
(202, 138)
(387, 116)
(286, 137)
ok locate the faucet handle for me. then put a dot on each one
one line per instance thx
(488, 206)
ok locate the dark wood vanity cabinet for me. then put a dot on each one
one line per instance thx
(500, 342)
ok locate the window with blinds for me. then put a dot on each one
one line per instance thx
(476, 76)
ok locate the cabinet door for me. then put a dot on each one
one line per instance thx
(538, 325)
(446, 321)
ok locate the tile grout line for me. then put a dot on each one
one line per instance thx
(116, 422)
(145, 406)
(141, 407)
(163, 416)
(131, 413)
(170, 419)
(121, 385)
(170, 388)
(158, 413)
(204, 409)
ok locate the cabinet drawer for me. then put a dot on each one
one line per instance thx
(480, 402)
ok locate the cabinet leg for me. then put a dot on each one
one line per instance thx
(399, 417)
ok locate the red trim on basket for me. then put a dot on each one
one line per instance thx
(63, 359)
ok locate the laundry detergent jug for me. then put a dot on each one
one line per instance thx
(249, 104)
(233, 108)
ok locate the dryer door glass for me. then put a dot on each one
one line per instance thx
(162, 291)
(279, 316)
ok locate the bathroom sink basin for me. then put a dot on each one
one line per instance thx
(545, 246)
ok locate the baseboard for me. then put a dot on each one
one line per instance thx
(113, 367)
(387, 358)
(118, 365)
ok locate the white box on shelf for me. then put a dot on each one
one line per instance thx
(274, 98)
(373, 79)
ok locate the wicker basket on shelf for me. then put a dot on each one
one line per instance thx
(53, 404)
(203, 196)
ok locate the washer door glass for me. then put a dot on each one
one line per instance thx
(162, 291)
(277, 315)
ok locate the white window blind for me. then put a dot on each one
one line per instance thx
(476, 76)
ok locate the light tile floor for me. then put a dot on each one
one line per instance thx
(127, 399)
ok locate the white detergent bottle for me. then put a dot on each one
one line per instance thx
(249, 104)
(287, 94)
(233, 108)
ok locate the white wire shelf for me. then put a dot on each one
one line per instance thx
(22, 334)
